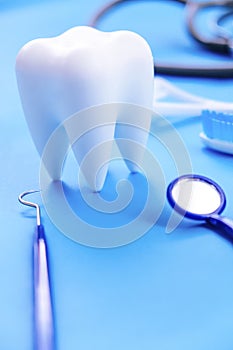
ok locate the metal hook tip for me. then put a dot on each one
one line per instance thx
(25, 193)
(30, 204)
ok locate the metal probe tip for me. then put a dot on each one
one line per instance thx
(31, 204)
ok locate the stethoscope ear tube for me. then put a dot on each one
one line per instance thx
(201, 71)
(221, 44)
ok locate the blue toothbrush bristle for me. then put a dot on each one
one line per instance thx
(218, 125)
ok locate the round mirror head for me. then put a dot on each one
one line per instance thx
(196, 196)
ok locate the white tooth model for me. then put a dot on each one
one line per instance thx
(81, 68)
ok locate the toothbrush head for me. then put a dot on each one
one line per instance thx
(218, 130)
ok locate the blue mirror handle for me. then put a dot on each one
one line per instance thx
(222, 223)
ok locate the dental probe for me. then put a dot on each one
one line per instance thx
(43, 313)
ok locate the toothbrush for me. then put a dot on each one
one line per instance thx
(188, 105)
(218, 131)
(217, 116)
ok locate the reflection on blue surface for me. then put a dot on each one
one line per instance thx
(134, 201)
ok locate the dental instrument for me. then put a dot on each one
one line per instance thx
(216, 116)
(222, 42)
(199, 198)
(43, 311)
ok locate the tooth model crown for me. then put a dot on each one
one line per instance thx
(81, 68)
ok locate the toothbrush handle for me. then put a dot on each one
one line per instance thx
(190, 109)
(222, 223)
(44, 330)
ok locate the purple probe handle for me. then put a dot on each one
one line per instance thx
(44, 329)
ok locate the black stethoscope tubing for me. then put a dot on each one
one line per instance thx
(221, 43)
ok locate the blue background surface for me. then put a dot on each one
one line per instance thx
(162, 291)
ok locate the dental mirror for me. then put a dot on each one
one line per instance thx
(200, 198)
